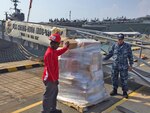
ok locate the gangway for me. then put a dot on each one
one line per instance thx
(138, 74)
(141, 76)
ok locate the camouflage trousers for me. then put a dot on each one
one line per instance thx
(123, 78)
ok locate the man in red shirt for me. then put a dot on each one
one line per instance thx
(51, 74)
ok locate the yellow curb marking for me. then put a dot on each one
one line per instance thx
(28, 66)
(28, 107)
(12, 69)
(110, 109)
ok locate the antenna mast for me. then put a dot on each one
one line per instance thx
(30, 5)
(15, 4)
(70, 15)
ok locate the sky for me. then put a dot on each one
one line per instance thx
(43, 10)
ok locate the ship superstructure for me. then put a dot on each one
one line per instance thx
(122, 24)
(17, 14)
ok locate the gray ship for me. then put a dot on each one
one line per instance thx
(17, 14)
(122, 24)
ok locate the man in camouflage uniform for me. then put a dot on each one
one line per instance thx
(123, 61)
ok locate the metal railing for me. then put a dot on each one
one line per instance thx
(112, 38)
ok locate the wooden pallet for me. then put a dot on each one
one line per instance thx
(79, 108)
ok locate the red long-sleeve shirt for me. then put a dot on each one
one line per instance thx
(51, 68)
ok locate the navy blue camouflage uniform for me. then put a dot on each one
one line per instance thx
(123, 58)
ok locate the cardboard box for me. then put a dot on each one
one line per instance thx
(73, 43)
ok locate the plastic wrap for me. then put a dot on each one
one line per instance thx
(81, 75)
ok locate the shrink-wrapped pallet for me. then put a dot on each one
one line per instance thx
(81, 74)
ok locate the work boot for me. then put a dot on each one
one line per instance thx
(56, 111)
(113, 92)
(125, 95)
